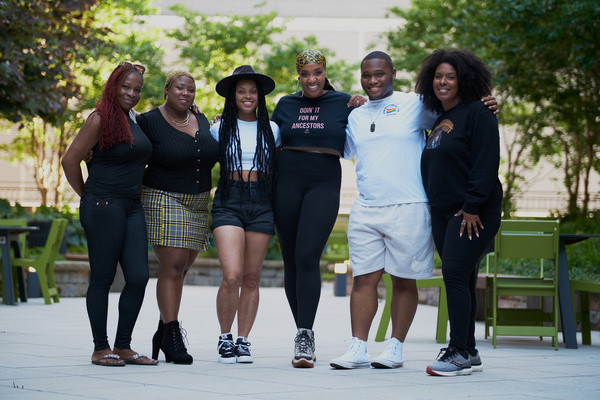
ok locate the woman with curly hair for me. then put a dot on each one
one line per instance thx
(459, 166)
(175, 196)
(111, 212)
(242, 213)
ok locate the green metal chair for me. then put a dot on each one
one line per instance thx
(584, 288)
(534, 239)
(22, 245)
(489, 284)
(44, 263)
(442, 317)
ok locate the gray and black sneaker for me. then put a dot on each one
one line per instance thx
(226, 349)
(304, 349)
(476, 363)
(450, 363)
(242, 351)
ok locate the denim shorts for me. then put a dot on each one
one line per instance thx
(246, 207)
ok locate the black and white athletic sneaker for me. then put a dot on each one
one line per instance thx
(242, 351)
(304, 349)
(226, 349)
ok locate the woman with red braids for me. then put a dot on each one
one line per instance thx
(110, 210)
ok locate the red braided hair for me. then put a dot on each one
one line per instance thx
(114, 127)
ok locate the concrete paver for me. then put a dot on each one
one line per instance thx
(45, 354)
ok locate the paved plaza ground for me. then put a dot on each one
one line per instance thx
(45, 354)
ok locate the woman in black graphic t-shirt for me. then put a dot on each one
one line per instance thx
(307, 189)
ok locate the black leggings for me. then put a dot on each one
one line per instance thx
(460, 264)
(116, 233)
(307, 199)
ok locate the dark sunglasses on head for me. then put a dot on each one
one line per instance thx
(127, 64)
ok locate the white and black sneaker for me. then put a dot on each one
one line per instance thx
(304, 349)
(226, 349)
(242, 351)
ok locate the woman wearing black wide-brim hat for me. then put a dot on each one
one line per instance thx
(242, 213)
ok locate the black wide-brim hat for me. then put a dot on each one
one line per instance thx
(245, 72)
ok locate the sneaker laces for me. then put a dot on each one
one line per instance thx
(391, 349)
(243, 348)
(446, 353)
(303, 343)
(227, 344)
(354, 348)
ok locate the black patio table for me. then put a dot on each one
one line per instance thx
(567, 317)
(9, 235)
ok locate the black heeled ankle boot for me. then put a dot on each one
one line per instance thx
(157, 340)
(173, 346)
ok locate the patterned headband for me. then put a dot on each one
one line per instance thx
(310, 57)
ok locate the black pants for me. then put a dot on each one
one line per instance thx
(307, 200)
(460, 263)
(116, 233)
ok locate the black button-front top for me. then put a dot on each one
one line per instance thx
(180, 163)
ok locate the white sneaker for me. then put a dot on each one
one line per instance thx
(355, 357)
(391, 356)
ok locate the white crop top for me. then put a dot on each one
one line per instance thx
(248, 139)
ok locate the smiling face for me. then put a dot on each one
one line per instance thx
(445, 85)
(246, 99)
(129, 93)
(180, 95)
(312, 79)
(377, 78)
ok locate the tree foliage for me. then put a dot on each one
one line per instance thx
(91, 37)
(39, 45)
(212, 47)
(545, 57)
(56, 56)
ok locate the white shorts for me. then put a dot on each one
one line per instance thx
(397, 239)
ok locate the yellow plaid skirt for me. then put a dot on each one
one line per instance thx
(176, 219)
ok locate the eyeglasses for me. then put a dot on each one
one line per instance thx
(127, 64)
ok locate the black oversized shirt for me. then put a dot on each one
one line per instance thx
(460, 161)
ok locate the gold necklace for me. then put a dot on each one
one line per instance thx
(183, 122)
(376, 116)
